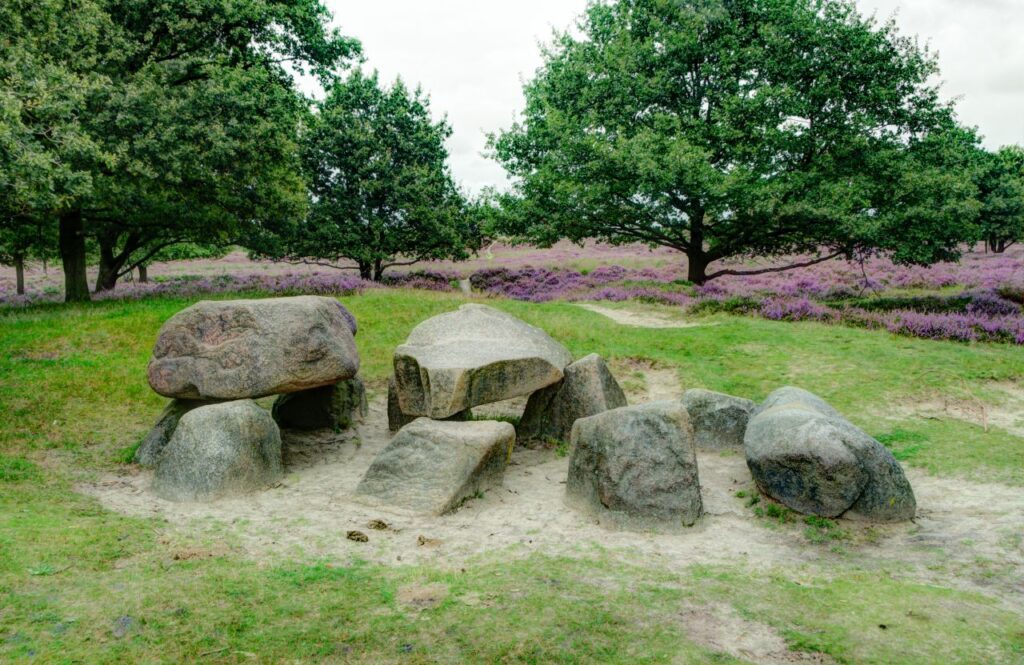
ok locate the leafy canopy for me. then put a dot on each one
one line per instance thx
(380, 188)
(728, 128)
(1002, 198)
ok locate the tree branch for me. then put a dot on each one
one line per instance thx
(764, 271)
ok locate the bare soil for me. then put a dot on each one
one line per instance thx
(642, 319)
(966, 534)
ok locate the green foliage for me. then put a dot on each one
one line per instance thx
(156, 122)
(728, 128)
(189, 250)
(1002, 198)
(381, 190)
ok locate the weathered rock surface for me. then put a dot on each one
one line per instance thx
(587, 389)
(793, 395)
(636, 467)
(156, 440)
(432, 467)
(397, 420)
(719, 421)
(816, 462)
(238, 349)
(474, 355)
(337, 407)
(220, 450)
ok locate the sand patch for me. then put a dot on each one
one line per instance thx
(1005, 411)
(719, 628)
(966, 534)
(422, 597)
(642, 319)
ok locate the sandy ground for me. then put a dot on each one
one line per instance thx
(638, 319)
(966, 534)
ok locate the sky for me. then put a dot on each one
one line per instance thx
(471, 57)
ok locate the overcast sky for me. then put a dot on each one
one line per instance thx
(472, 55)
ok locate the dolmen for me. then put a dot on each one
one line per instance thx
(213, 358)
(476, 355)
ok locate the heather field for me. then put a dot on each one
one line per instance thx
(978, 299)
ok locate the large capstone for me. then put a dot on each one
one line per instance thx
(156, 439)
(719, 421)
(587, 389)
(814, 461)
(432, 467)
(636, 467)
(397, 419)
(338, 406)
(220, 450)
(474, 355)
(236, 349)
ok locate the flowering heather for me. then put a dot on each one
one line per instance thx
(978, 299)
(287, 284)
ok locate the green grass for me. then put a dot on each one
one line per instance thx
(74, 401)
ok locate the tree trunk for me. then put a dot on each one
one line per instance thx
(143, 275)
(365, 270)
(106, 277)
(72, 256)
(997, 245)
(378, 270)
(697, 267)
(19, 271)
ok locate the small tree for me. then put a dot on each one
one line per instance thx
(380, 189)
(732, 128)
(23, 239)
(1002, 198)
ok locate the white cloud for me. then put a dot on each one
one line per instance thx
(472, 55)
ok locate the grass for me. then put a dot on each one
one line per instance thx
(81, 584)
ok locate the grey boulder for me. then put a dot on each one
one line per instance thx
(636, 467)
(432, 467)
(587, 389)
(791, 395)
(397, 419)
(474, 355)
(220, 450)
(338, 406)
(237, 349)
(818, 463)
(156, 440)
(719, 421)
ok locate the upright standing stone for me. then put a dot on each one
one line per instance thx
(156, 440)
(339, 406)
(635, 467)
(719, 421)
(587, 389)
(475, 355)
(237, 349)
(220, 450)
(432, 467)
(802, 453)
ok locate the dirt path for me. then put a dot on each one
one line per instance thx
(641, 319)
(966, 534)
